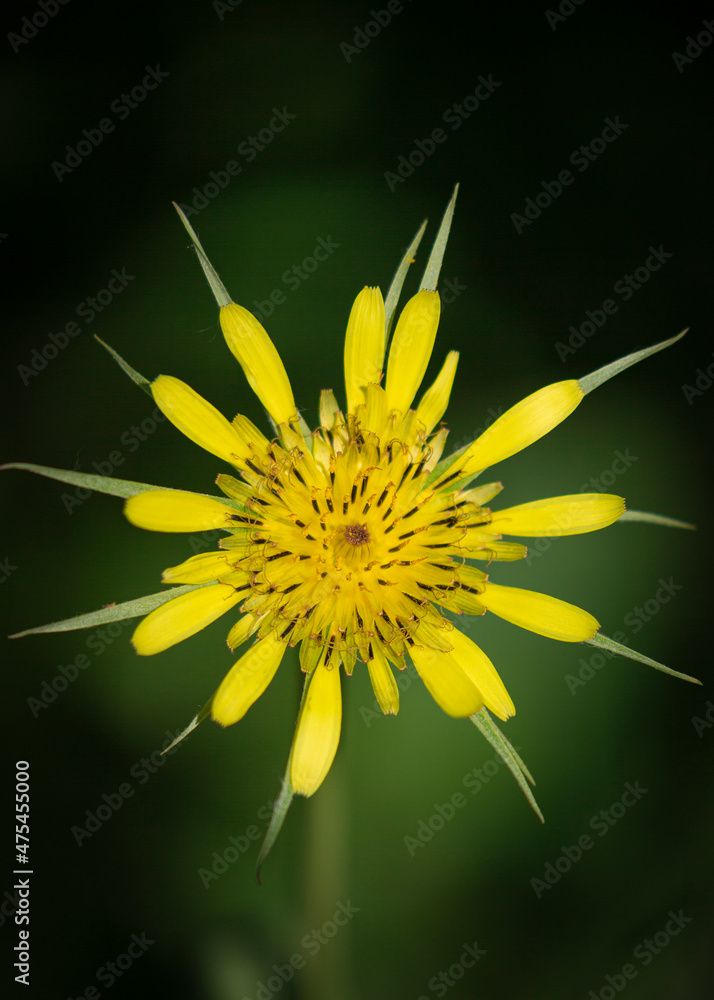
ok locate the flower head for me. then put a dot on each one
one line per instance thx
(357, 542)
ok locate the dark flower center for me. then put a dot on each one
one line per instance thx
(357, 534)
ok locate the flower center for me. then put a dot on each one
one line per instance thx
(353, 549)
(357, 534)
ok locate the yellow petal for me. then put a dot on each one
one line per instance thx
(375, 412)
(411, 348)
(523, 424)
(203, 568)
(198, 419)
(174, 510)
(499, 551)
(364, 345)
(383, 683)
(247, 680)
(568, 515)
(318, 730)
(260, 361)
(435, 400)
(255, 439)
(476, 665)
(184, 616)
(329, 409)
(446, 682)
(242, 629)
(540, 613)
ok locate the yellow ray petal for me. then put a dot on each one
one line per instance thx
(247, 680)
(446, 682)
(260, 361)
(499, 551)
(184, 616)
(375, 412)
(203, 568)
(383, 683)
(568, 515)
(523, 424)
(198, 419)
(242, 630)
(174, 510)
(255, 439)
(476, 665)
(411, 348)
(364, 345)
(435, 400)
(540, 613)
(318, 730)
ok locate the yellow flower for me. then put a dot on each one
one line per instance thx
(357, 541)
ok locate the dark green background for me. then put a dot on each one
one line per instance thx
(324, 177)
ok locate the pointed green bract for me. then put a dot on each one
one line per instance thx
(666, 522)
(595, 379)
(133, 374)
(505, 750)
(395, 289)
(113, 613)
(193, 724)
(283, 801)
(217, 287)
(445, 464)
(280, 811)
(436, 257)
(100, 484)
(105, 484)
(604, 642)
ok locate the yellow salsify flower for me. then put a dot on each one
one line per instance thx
(356, 541)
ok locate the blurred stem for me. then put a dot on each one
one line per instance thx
(327, 974)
